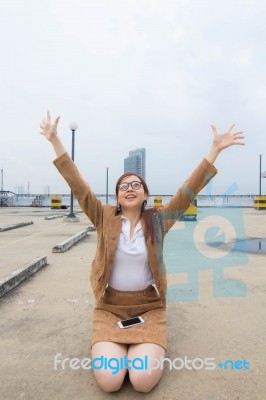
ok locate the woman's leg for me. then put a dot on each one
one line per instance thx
(109, 379)
(145, 380)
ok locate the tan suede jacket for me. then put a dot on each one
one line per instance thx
(108, 225)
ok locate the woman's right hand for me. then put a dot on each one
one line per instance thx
(49, 129)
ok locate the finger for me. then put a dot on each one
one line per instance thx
(56, 120)
(239, 137)
(238, 133)
(214, 129)
(48, 116)
(231, 127)
(241, 143)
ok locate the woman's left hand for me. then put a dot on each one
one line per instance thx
(229, 138)
(223, 140)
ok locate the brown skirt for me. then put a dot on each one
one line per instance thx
(116, 305)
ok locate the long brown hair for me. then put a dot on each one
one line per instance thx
(145, 213)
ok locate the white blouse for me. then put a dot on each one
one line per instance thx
(131, 269)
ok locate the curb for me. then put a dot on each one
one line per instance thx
(14, 226)
(67, 244)
(54, 217)
(17, 277)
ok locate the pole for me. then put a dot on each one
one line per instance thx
(2, 187)
(73, 143)
(106, 185)
(260, 176)
(72, 215)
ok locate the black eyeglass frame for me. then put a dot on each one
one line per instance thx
(129, 184)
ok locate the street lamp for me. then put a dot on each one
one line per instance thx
(260, 175)
(73, 127)
(2, 180)
(107, 168)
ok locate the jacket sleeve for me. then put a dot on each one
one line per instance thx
(179, 203)
(86, 198)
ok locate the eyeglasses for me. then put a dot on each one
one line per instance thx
(125, 185)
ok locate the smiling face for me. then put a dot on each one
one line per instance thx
(133, 195)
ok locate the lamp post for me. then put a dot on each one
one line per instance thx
(2, 180)
(106, 201)
(260, 175)
(73, 127)
(2, 188)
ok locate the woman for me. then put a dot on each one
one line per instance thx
(128, 273)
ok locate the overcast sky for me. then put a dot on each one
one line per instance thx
(132, 73)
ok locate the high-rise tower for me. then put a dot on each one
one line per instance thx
(136, 162)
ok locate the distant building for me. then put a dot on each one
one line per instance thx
(46, 190)
(136, 162)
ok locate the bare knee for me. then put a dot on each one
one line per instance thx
(109, 382)
(143, 382)
(105, 377)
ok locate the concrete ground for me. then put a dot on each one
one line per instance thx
(51, 313)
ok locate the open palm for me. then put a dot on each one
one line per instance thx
(48, 128)
(223, 140)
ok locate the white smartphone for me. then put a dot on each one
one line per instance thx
(127, 323)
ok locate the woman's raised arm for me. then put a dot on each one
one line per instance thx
(200, 176)
(86, 198)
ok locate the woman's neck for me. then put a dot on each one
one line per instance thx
(132, 215)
